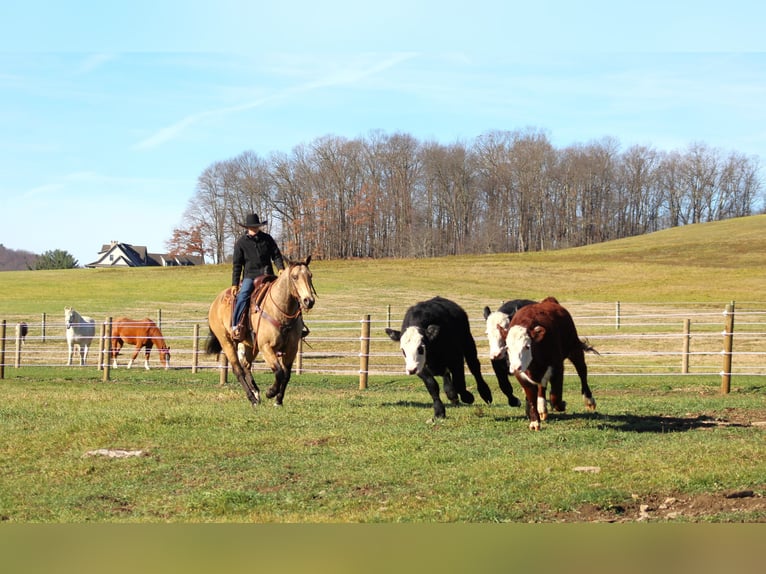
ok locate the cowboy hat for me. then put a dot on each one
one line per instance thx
(253, 220)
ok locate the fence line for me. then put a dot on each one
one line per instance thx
(637, 345)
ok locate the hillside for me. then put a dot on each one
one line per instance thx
(711, 262)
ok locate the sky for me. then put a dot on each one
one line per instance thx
(110, 111)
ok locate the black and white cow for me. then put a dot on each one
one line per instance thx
(498, 323)
(435, 339)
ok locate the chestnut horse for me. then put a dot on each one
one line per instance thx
(274, 328)
(141, 333)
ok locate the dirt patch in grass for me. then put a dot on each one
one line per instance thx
(747, 505)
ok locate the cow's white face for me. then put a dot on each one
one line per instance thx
(519, 348)
(497, 330)
(413, 345)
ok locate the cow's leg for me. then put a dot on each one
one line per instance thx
(531, 390)
(458, 382)
(577, 357)
(449, 388)
(557, 389)
(500, 366)
(472, 360)
(433, 389)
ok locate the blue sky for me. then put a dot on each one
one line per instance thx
(109, 112)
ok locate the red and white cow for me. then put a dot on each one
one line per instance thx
(539, 338)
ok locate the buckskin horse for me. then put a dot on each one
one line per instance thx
(274, 328)
(141, 333)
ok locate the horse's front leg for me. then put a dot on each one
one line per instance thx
(115, 350)
(85, 356)
(71, 350)
(133, 356)
(281, 375)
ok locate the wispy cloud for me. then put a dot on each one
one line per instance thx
(342, 77)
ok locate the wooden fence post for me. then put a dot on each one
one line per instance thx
(364, 353)
(685, 349)
(159, 319)
(17, 356)
(2, 349)
(299, 358)
(617, 316)
(223, 372)
(728, 346)
(195, 348)
(101, 338)
(43, 322)
(107, 347)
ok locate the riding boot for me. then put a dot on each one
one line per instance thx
(238, 331)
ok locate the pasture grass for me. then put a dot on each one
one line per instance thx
(335, 453)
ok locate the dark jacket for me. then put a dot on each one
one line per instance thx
(254, 254)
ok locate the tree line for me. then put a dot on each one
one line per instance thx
(390, 195)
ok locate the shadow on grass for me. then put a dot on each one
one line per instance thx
(621, 422)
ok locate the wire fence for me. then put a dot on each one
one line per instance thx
(632, 340)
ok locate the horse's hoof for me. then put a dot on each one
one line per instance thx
(467, 397)
(514, 401)
(590, 404)
(534, 425)
(270, 393)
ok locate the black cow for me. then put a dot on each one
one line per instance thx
(498, 323)
(435, 339)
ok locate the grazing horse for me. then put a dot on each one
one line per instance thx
(141, 333)
(79, 331)
(274, 329)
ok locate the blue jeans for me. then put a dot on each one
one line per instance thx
(245, 290)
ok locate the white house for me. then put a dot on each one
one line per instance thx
(116, 254)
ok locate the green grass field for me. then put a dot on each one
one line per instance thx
(672, 449)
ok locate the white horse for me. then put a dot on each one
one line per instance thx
(79, 331)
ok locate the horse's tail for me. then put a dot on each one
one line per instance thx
(212, 344)
(588, 348)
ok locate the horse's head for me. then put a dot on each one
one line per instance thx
(301, 283)
(165, 356)
(68, 311)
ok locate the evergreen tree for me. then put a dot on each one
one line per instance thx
(56, 259)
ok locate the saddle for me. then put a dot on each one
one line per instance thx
(261, 285)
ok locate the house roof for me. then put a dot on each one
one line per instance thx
(116, 254)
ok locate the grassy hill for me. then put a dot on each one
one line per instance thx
(711, 262)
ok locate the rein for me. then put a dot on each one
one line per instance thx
(289, 316)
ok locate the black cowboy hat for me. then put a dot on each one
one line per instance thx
(253, 220)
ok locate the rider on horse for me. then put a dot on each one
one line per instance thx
(253, 255)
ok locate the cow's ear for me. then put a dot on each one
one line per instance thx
(395, 335)
(432, 331)
(538, 333)
(486, 312)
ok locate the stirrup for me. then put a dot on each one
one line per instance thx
(238, 333)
